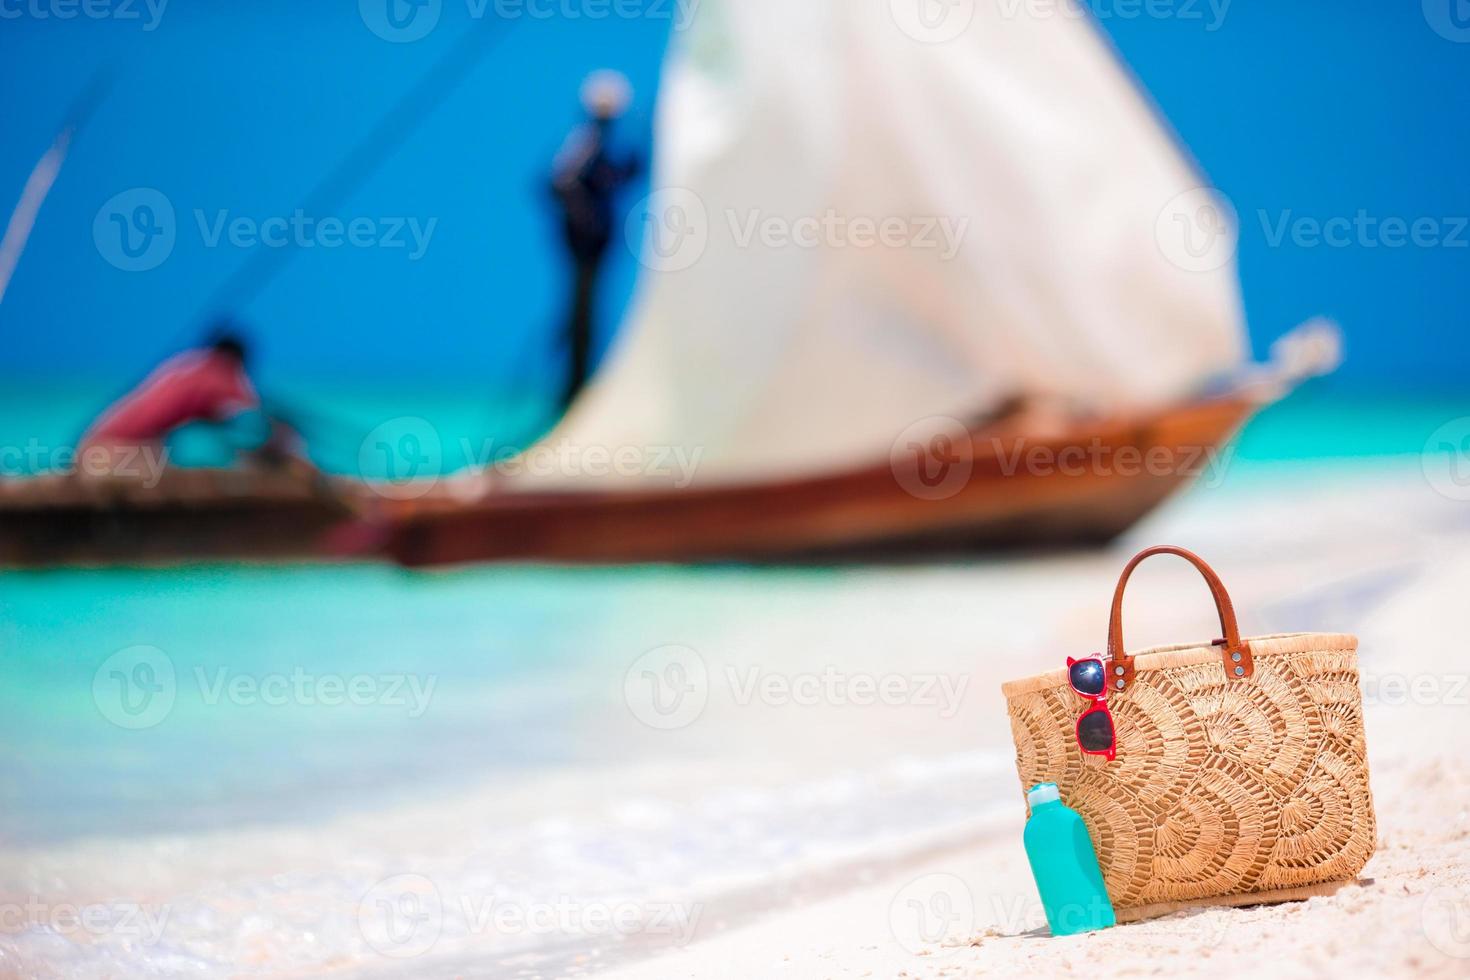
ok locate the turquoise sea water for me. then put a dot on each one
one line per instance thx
(433, 651)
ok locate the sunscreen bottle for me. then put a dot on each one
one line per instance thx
(1065, 865)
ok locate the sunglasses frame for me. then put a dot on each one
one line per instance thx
(1074, 661)
(1099, 704)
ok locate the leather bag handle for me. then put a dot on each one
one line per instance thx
(1236, 656)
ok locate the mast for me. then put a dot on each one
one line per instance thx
(44, 174)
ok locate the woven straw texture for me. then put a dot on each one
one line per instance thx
(1220, 787)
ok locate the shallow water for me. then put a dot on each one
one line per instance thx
(297, 692)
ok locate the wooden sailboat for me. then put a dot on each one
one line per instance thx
(802, 372)
(967, 225)
(1005, 483)
(998, 486)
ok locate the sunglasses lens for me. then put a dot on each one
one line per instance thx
(1088, 677)
(1095, 731)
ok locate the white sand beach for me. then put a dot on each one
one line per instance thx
(792, 826)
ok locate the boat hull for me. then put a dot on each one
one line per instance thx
(188, 515)
(1085, 484)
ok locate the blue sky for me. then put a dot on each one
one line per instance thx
(1300, 113)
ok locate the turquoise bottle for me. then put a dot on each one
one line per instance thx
(1065, 865)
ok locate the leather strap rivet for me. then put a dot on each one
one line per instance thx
(1118, 670)
(1120, 685)
(1236, 657)
(1239, 671)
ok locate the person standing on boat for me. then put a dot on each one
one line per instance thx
(209, 385)
(585, 178)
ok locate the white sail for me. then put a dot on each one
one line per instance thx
(865, 218)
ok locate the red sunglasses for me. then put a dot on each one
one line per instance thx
(1095, 732)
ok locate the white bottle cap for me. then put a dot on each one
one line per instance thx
(1043, 793)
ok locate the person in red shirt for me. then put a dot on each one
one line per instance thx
(205, 385)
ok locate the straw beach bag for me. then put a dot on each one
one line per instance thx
(1241, 773)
